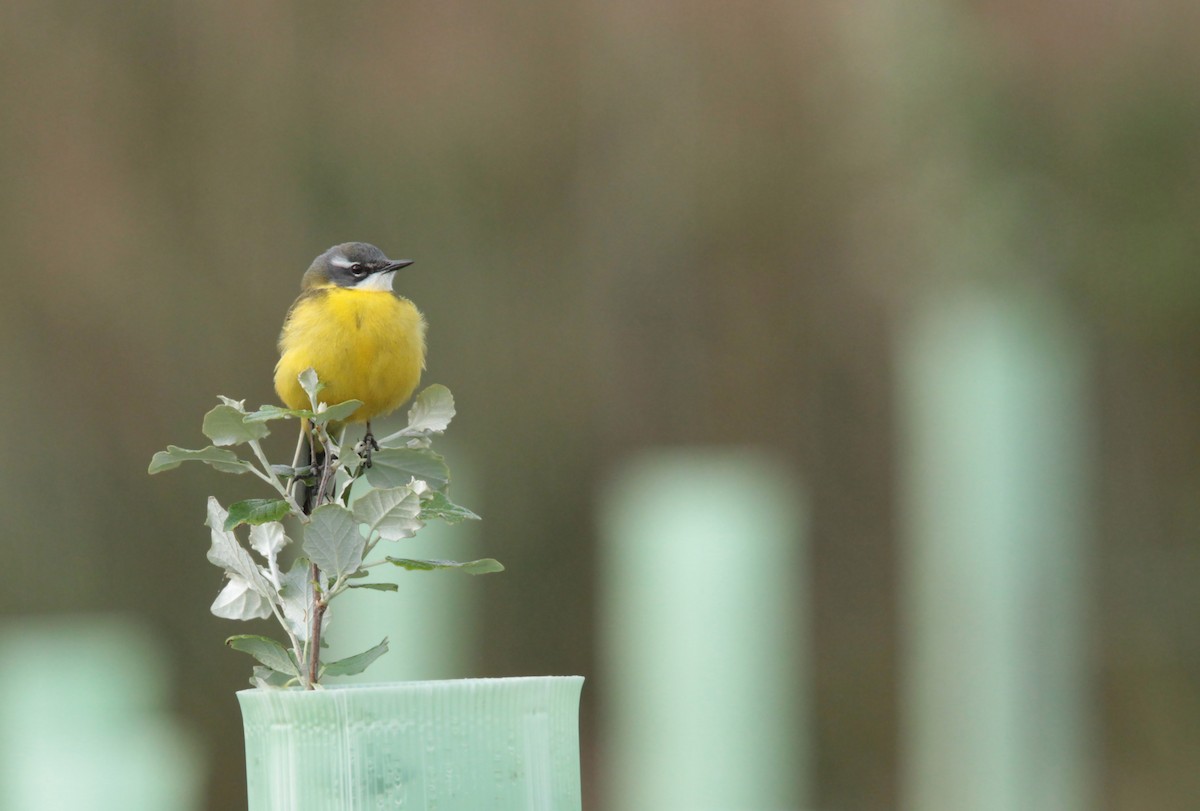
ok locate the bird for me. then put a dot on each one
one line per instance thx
(364, 341)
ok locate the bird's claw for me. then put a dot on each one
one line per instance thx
(368, 446)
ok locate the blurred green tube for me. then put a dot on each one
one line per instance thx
(994, 441)
(82, 721)
(704, 633)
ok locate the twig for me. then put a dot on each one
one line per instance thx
(319, 600)
(318, 615)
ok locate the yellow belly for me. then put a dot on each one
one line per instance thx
(364, 344)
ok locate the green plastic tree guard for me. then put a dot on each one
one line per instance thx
(993, 467)
(705, 634)
(456, 745)
(84, 726)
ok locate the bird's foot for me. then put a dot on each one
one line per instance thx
(369, 446)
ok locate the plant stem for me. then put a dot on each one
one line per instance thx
(296, 649)
(328, 466)
(314, 642)
(319, 600)
(292, 484)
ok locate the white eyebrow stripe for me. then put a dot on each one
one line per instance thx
(340, 261)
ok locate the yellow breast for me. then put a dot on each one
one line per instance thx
(365, 345)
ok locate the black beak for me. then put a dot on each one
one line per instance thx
(399, 263)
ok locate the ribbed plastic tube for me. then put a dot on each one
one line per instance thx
(460, 745)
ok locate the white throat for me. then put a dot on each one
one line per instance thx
(381, 282)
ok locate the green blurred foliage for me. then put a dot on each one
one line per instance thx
(634, 224)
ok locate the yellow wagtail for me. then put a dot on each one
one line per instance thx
(364, 341)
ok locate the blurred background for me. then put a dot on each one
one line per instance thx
(848, 240)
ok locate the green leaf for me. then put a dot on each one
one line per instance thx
(256, 511)
(350, 461)
(289, 472)
(267, 540)
(265, 650)
(240, 600)
(437, 505)
(265, 677)
(231, 556)
(376, 586)
(312, 387)
(391, 512)
(484, 566)
(334, 413)
(328, 413)
(353, 665)
(223, 460)
(431, 412)
(273, 412)
(295, 598)
(332, 540)
(393, 467)
(226, 425)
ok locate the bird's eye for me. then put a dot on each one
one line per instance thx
(358, 270)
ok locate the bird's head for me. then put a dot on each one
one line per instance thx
(355, 265)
